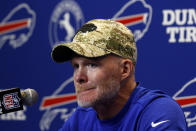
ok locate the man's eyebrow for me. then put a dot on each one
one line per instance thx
(92, 60)
(71, 62)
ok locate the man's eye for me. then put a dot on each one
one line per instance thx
(75, 66)
(92, 65)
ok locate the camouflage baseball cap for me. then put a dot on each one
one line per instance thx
(96, 38)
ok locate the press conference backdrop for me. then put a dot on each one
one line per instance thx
(165, 32)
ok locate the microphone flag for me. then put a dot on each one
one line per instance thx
(10, 100)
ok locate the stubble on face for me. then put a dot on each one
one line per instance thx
(102, 89)
(103, 93)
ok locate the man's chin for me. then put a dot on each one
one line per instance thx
(84, 104)
(86, 98)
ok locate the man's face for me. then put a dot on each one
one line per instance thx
(96, 80)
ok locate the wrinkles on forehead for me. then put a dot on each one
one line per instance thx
(101, 58)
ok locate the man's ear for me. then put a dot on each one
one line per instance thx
(126, 68)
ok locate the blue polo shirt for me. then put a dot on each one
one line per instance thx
(146, 110)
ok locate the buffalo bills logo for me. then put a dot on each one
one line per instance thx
(16, 29)
(186, 97)
(136, 15)
(87, 28)
(58, 104)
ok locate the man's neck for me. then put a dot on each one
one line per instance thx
(111, 108)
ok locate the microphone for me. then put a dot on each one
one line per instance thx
(12, 100)
(29, 97)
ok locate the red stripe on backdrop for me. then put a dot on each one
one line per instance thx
(57, 100)
(11, 26)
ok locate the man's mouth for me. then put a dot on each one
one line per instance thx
(85, 91)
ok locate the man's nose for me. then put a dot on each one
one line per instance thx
(81, 76)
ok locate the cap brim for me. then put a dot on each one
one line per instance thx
(64, 52)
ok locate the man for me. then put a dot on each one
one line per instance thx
(103, 54)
